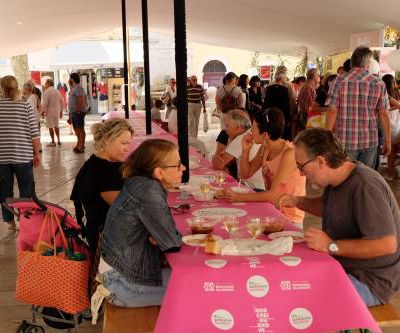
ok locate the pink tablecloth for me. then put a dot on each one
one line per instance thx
(257, 294)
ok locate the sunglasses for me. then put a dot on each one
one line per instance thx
(180, 209)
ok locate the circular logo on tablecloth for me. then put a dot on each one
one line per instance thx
(290, 261)
(216, 263)
(222, 319)
(257, 286)
(300, 318)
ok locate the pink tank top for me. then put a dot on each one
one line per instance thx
(296, 185)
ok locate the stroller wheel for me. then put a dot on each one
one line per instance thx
(21, 327)
(34, 329)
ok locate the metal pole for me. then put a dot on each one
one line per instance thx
(125, 41)
(145, 27)
(181, 80)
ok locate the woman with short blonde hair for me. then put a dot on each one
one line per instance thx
(99, 181)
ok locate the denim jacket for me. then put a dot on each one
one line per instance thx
(141, 210)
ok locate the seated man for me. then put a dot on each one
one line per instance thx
(237, 125)
(360, 215)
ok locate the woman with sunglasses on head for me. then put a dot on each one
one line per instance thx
(276, 158)
(140, 228)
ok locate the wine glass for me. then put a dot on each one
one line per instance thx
(231, 225)
(205, 188)
(220, 178)
(255, 226)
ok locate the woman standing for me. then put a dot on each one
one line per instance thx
(140, 228)
(19, 145)
(169, 95)
(255, 95)
(276, 158)
(243, 83)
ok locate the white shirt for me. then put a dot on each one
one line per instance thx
(52, 102)
(234, 148)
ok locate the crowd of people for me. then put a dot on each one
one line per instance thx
(264, 141)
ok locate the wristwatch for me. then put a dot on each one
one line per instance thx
(333, 248)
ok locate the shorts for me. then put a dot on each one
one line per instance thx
(78, 120)
(52, 121)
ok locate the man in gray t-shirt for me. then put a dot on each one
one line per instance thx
(360, 215)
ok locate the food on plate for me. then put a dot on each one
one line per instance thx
(211, 245)
(200, 241)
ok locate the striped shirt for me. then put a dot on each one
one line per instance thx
(18, 128)
(195, 94)
(358, 98)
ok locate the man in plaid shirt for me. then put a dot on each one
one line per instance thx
(355, 107)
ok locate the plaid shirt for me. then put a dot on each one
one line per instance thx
(358, 98)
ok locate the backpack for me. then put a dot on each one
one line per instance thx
(228, 102)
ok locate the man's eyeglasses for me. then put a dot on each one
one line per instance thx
(178, 166)
(180, 209)
(301, 166)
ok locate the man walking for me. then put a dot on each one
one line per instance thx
(53, 109)
(77, 110)
(358, 101)
(195, 100)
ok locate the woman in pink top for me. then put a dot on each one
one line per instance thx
(276, 158)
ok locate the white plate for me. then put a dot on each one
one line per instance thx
(219, 212)
(241, 189)
(298, 236)
(195, 240)
(197, 179)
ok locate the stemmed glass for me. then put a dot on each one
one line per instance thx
(220, 178)
(231, 225)
(255, 226)
(205, 188)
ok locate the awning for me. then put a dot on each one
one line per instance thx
(95, 54)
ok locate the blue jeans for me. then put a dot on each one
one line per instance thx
(131, 295)
(369, 298)
(366, 156)
(24, 174)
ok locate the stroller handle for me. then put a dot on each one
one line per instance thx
(36, 199)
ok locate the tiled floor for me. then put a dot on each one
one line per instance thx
(54, 181)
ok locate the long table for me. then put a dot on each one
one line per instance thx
(305, 291)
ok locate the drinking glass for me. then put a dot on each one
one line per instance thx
(205, 188)
(255, 226)
(231, 225)
(220, 178)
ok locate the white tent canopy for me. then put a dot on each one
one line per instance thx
(284, 26)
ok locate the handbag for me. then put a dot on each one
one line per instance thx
(58, 280)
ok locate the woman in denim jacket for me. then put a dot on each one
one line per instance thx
(140, 227)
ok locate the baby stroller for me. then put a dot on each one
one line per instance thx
(65, 231)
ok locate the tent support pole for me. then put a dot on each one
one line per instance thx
(181, 80)
(145, 28)
(125, 45)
